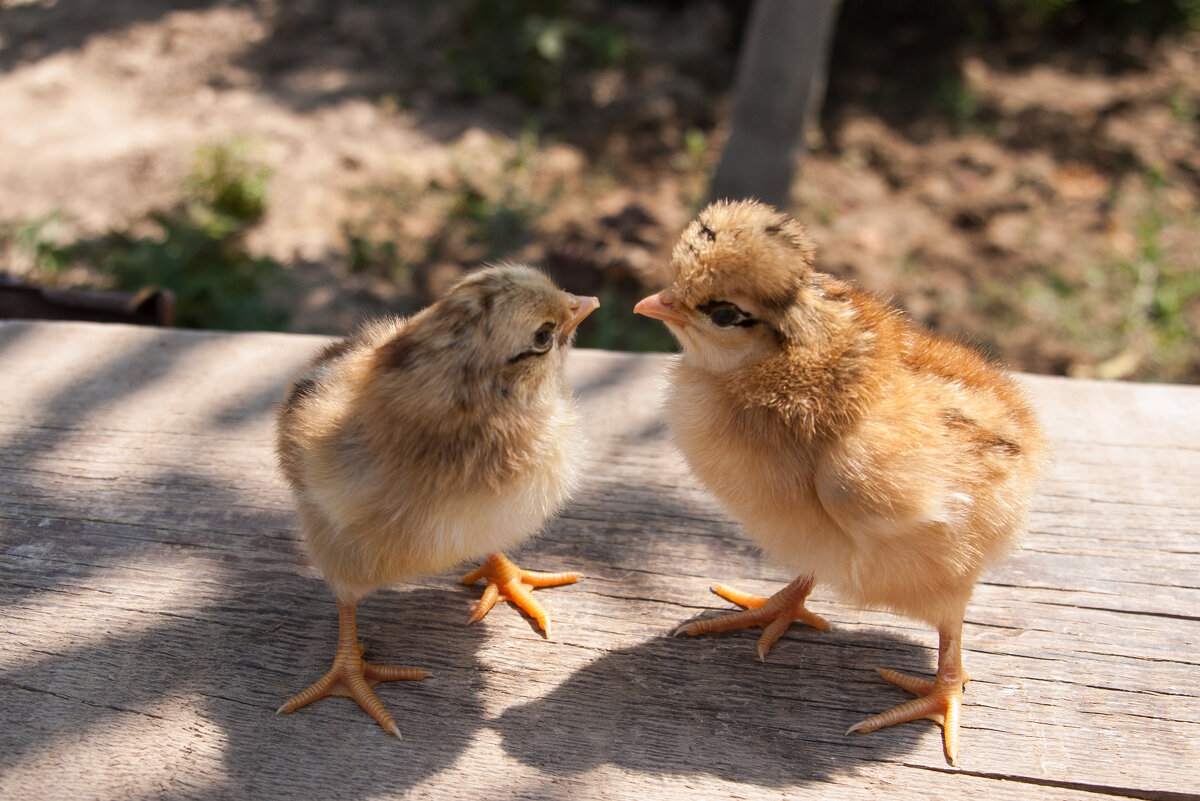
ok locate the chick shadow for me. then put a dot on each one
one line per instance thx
(205, 676)
(208, 676)
(707, 706)
(333, 744)
(223, 666)
(231, 679)
(39, 517)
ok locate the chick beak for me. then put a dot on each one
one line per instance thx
(659, 307)
(581, 307)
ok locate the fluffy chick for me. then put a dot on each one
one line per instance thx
(854, 447)
(418, 443)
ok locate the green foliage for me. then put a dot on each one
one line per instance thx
(500, 223)
(1182, 105)
(613, 327)
(485, 207)
(198, 250)
(1043, 9)
(957, 101)
(1161, 292)
(524, 47)
(199, 257)
(368, 254)
(228, 183)
(37, 240)
(1136, 313)
(487, 219)
(997, 19)
(695, 144)
(1118, 15)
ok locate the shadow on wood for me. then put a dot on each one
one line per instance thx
(155, 609)
(682, 707)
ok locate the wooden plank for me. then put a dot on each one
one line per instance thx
(155, 608)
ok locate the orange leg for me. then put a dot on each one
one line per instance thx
(939, 700)
(774, 614)
(352, 677)
(506, 580)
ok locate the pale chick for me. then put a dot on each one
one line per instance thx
(418, 443)
(854, 447)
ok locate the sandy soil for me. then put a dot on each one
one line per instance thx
(1023, 207)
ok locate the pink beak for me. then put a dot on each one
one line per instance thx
(581, 307)
(660, 308)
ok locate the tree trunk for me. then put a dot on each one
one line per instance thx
(779, 88)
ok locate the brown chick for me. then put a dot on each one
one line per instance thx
(418, 443)
(854, 447)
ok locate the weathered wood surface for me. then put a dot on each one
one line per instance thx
(155, 609)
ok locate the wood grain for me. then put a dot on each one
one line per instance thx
(156, 608)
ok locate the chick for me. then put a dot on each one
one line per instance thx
(418, 443)
(854, 447)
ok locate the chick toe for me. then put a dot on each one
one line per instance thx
(774, 614)
(352, 677)
(939, 701)
(883, 460)
(508, 582)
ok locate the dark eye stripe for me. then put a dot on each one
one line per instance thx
(724, 314)
(543, 341)
(527, 354)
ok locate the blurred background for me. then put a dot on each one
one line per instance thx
(1020, 174)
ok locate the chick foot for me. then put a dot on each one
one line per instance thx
(939, 700)
(352, 677)
(774, 614)
(507, 581)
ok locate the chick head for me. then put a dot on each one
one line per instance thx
(743, 287)
(498, 336)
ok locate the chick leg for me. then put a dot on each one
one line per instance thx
(351, 676)
(939, 700)
(506, 580)
(774, 614)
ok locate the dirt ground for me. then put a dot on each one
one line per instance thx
(1037, 197)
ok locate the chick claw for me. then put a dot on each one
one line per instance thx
(774, 614)
(506, 580)
(939, 700)
(351, 677)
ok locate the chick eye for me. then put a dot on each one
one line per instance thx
(543, 340)
(724, 314)
(544, 337)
